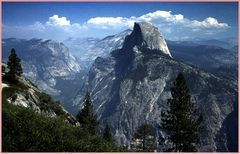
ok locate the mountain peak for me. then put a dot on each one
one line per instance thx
(147, 35)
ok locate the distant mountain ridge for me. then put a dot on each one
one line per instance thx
(88, 49)
(226, 43)
(214, 59)
(48, 64)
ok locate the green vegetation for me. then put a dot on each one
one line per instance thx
(32, 83)
(26, 130)
(86, 117)
(107, 134)
(14, 66)
(3, 69)
(179, 120)
(143, 138)
(47, 104)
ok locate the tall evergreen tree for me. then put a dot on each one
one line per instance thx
(86, 117)
(107, 133)
(179, 120)
(145, 134)
(14, 65)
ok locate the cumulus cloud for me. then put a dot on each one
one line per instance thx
(164, 19)
(162, 15)
(55, 20)
(63, 23)
(208, 23)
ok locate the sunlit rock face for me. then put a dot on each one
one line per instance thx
(147, 35)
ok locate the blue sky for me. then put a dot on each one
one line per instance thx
(61, 20)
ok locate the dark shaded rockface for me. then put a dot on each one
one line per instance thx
(228, 134)
(132, 86)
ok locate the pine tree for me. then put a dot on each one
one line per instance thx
(107, 133)
(179, 119)
(14, 65)
(145, 134)
(86, 116)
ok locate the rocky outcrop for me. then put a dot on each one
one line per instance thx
(147, 35)
(25, 93)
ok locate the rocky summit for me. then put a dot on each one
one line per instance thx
(133, 84)
(146, 35)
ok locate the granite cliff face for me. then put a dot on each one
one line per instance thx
(48, 64)
(133, 85)
(146, 35)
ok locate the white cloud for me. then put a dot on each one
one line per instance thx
(55, 20)
(208, 23)
(110, 22)
(164, 19)
(170, 24)
(162, 15)
(62, 23)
